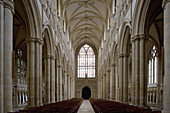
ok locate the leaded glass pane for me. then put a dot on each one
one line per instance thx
(86, 62)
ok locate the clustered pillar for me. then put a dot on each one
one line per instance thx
(58, 82)
(121, 78)
(34, 57)
(166, 6)
(125, 77)
(6, 45)
(138, 88)
(52, 79)
(61, 82)
(47, 79)
(65, 85)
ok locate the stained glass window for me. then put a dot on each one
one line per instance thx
(86, 62)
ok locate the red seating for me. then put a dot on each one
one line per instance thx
(106, 106)
(66, 106)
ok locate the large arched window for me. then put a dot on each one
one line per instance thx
(153, 66)
(86, 62)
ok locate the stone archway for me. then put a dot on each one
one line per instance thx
(86, 93)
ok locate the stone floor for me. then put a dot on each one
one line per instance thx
(86, 107)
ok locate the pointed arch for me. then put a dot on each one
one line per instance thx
(33, 18)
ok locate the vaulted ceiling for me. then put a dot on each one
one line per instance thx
(86, 20)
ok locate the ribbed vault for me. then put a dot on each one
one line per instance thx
(86, 20)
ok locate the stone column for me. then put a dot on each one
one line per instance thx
(116, 82)
(70, 90)
(31, 71)
(19, 97)
(52, 79)
(142, 101)
(28, 72)
(61, 89)
(73, 85)
(113, 79)
(166, 6)
(98, 87)
(8, 45)
(101, 87)
(108, 84)
(133, 72)
(37, 68)
(125, 78)
(65, 85)
(121, 77)
(58, 82)
(154, 93)
(157, 73)
(40, 72)
(105, 86)
(48, 79)
(68, 86)
(111, 83)
(137, 58)
(71, 82)
(104, 82)
(1, 57)
(16, 97)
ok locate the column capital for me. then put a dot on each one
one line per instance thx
(8, 4)
(33, 39)
(47, 57)
(125, 54)
(143, 36)
(108, 70)
(39, 40)
(59, 66)
(104, 74)
(30, 39)
(164, 3)
(136, 37)
(114, 64)
(52, 57)
(121, 55)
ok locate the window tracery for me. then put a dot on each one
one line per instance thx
(152, 66)
(21, 65)
(86, 62)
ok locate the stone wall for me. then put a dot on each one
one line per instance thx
(81, 83)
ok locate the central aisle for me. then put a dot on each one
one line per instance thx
(86, 107)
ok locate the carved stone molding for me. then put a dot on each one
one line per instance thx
(164, 3)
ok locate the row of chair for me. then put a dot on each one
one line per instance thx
(66, 106)
(107, 106)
